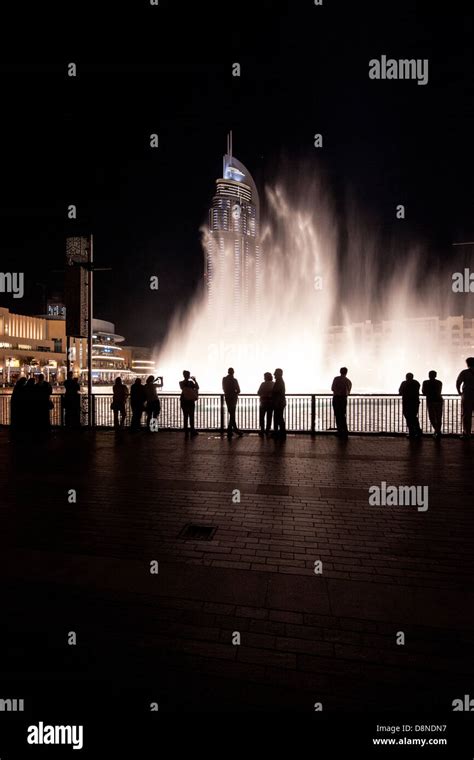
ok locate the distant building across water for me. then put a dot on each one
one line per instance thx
(435, 342)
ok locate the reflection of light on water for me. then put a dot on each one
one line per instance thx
(300, 241)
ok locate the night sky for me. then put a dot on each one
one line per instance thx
(168, 70)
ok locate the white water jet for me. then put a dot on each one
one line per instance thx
(307, 287)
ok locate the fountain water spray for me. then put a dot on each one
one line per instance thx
(307, 286)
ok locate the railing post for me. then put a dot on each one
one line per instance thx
(91, 411)
(222, 412)
(313, 414)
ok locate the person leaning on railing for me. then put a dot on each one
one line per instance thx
(410, 393)
(434, 401)
(42, 393)
(265, 393)
(465, 386)
(137, 403)
(71, 401)
(120, 395)
(18, 409)
(279, 403)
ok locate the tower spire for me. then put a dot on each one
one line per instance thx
(228, 156)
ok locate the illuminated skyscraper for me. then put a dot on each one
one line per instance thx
(233, 265)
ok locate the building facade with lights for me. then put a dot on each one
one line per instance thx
(33, 344)
(30, 345)
(233, 256)
(111, 358)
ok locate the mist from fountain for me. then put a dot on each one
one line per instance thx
(312, 280)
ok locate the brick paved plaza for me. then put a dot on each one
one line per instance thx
(304, 637)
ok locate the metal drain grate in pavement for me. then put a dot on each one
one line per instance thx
(198, 532)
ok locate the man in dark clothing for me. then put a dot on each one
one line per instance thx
(18, 407)
(341, 388)
(410, 393)
(137, 403)
(434, 401)
(153, 405)
(265, 393)
(42, 393)
(231, 389)
(119, 402)
(31, 407)
(189, 394)
(72, 402)
(465, 386)
(279, 403)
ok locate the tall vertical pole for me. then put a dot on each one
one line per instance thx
(313, 414)
(222, 420)
(90, 311)
(68, 354)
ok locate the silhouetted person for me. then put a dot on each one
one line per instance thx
(72, 401)
(465, 386)
(153, 406)
(410, 393)
(18, 407)
(42, 393)
(265, 392)
(120, 395)
(231, 389)
(279, 403)
(434, 401)
(341, 388)
(137, 403)
(189, 396)
(31, 407)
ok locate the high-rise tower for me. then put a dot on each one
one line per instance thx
(233, 265)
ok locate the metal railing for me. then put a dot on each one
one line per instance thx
(305, 413)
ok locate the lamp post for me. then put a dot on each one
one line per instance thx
(80, 253)
(90, 316)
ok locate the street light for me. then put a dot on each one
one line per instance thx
(90, 268)
(80, 254)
